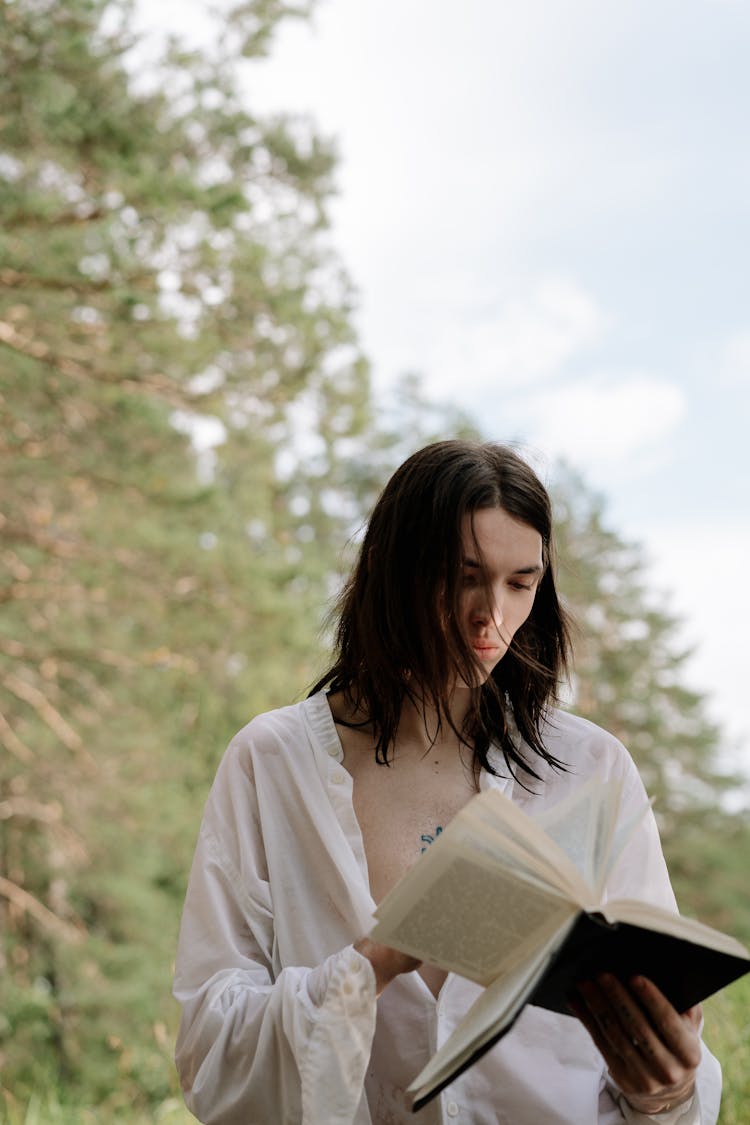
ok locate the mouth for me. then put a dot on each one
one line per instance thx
(486, 651)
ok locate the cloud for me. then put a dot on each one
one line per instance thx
(535, 336)
(476, 342)
(596, 423)
(735, 364)
(684, 558)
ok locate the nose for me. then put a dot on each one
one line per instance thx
(487, 613)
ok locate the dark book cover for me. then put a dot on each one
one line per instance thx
(685, 971)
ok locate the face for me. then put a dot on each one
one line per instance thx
(512, 555)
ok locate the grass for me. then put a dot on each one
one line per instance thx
(47, 1109)
(727, 1032)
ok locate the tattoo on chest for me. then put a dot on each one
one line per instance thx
(427, 840)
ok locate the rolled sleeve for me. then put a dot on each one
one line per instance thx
(257, 1041)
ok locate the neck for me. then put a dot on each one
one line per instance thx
(418, 731)
(418, 728)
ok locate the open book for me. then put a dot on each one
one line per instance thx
(515, 904)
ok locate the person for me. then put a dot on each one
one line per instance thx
(450, 646)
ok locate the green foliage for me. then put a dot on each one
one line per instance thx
(164, 268)
(629, 677)
(51, 1107)
(727, 1032)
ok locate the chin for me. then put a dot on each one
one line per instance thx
(479, 680)
(481, 675)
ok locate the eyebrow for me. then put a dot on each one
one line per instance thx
(536, 569)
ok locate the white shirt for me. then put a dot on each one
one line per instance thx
(280, 1023)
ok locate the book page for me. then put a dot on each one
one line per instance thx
(471, 917)
(517, 858)
(668, 922)
(492, 1011)
(618, 843)
(503, 824)
(493, 828)
(582, 826)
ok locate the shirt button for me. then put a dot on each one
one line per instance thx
(333, 751)
(451, 1109)
(337, 777)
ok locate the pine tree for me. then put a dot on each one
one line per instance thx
(165, 275)
(630, 678)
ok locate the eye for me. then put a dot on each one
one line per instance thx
(522, 585)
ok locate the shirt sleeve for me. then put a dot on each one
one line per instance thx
(642, 873)
(254, 1045)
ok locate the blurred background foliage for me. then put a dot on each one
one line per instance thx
(189, 442)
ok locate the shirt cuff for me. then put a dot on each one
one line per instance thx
(686, 1113)
(332, 1069)
(345, 980)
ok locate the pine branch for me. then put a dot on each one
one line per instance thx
(160, 385)
(28, 904)
(63, 219)
(13, 743)
(16, 279)
(66, 840)
(99, 656)
(63, 549)
(32, 810)
(50, 716)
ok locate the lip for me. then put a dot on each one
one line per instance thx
(485, 650)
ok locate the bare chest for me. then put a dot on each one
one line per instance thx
(402, 808)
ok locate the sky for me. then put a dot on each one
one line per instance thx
(545, 211)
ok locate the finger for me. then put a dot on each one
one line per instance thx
(640, 1063)
(667, 1071)
(641, 1066)
(622, 1051)
(678, 1032)
(633, 1026)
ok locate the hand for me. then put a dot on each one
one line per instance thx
(651, 1050)
(387, 962)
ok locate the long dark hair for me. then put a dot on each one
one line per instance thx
(399, 634)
